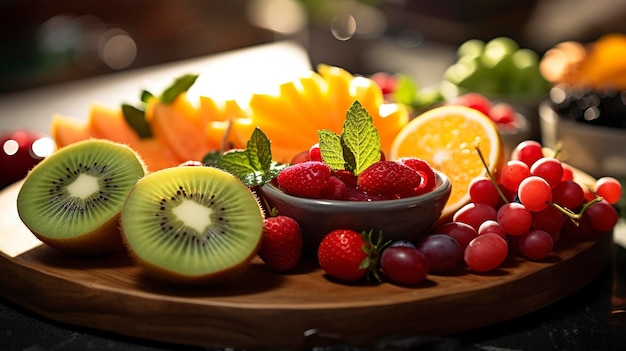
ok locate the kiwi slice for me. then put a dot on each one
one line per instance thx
(192, 224)
(72, 199)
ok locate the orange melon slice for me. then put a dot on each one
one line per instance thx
(110, 124)
(180, 131)
(65, 130)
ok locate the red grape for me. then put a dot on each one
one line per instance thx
(514, 218)
(486, 252)
(463, 233)
(442, 251)
(580, 230)
(535, 193)
(482, 190)
(609, 189)
(404, 264)
(513, 173)
(568, 172)
(492, 226)
(474, 214)
(535, 244)
(568, 194)
(550, 220)
(528, 151)
(603, 216)
(548, 168)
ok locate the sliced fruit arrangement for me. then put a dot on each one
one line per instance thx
(165, 130)
(72, 199)
(169, 129)
(319, 101)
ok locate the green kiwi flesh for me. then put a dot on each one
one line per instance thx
(72, 199)
(192, 224)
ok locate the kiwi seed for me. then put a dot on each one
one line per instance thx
(192, 224)
(72, 199)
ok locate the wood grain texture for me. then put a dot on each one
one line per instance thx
(265, 309)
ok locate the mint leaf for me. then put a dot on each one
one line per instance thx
(361, 139)
(252, 165)
(331, 149)
(180, 85)
(146, 96)
(260, 153)
(136, 118)
(357, 147)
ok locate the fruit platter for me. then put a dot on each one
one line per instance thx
(206, 222)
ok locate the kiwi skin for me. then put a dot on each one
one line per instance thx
(145, 197)
(106, 238)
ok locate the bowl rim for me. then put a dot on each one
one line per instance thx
(439, 191)
(548, 115)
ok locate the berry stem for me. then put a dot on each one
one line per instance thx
(491, 177)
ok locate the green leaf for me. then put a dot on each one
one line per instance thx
(146, 96)
(212, 157)
(331, 149)
(180, 85)
(252, 165)
(259, 150)
(361, 139)
(136, 118)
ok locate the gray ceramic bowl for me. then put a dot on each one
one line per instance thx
(407, 218)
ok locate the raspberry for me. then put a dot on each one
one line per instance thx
(306, 179)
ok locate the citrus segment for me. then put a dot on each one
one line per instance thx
(446, 137)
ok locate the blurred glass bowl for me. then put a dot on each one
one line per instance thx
(407, 218)
(597, 150)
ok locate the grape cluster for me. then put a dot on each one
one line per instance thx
(598, 107)
(533, 204)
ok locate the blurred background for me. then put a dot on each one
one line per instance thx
(46, 42)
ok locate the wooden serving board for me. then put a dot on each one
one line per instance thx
(264, 309)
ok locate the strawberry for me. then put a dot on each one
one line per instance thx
(388, 178)
(305, 179)
(281, 244)
(348, 255)
(425, 171)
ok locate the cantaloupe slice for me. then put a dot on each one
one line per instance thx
(181, 132)
(155, 154)
(110, 124)
(65, 130)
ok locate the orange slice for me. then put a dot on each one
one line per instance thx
(446, 137)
